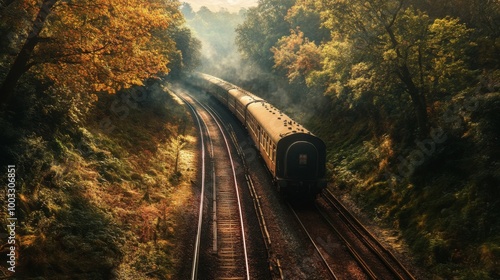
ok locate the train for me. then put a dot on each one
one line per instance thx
(294, 156)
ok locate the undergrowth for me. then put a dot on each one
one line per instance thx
(441, 195)
(100, 196)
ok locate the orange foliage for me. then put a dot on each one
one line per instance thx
(105, 45)
(297, 55)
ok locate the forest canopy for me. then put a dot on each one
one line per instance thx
(81, 47)
(366, 51)
(216, 31)
(406, 95)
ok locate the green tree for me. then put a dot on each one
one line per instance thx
(187, 11)
(263, 27)
(304, 15)
(482, 15)
(379, 47)
(187, 56)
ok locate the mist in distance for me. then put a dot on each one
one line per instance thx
(216, 5)
(216, 29)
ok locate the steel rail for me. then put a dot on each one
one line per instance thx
(363, 232)
(350, 248)
(233, 169)
(325, 262)
(199, 121)
(273, 260)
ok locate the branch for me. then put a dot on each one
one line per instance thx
(395, 14)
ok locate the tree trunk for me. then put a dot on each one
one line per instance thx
(418, 100)
(417, 97)
(20, 65)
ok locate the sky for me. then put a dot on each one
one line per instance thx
(215, 5)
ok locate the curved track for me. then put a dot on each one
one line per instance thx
(229, 241)
(349, 251)
(274, 262)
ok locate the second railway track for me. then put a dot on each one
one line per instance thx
(378, 261)
(347, 249)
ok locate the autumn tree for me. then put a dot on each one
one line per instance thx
(84, 46)
(297, 55)
(380, 47)
(20, 64)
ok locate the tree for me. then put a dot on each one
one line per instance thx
(103, 45)
(370, 29)
(482, 15)
(297, 55)
(263, 27)
(216, 31)
(187, 56)
(304, 15)
(187, 11)
(20, 65)
(380, 47)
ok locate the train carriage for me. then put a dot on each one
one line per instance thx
(238, 100)
(294, 156)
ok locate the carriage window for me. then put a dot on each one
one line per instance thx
(303, 159)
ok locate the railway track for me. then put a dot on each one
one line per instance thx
(338, 257)
(273, 260)
(376, 260)
(228, 231)
(346, 248)
(325, 258)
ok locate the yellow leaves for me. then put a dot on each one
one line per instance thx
(99, 87)
(296, 54)
(390, 55)
(106, 45)
(136, 82)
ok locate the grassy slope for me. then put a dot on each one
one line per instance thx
(98, 202)
(445, 206)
